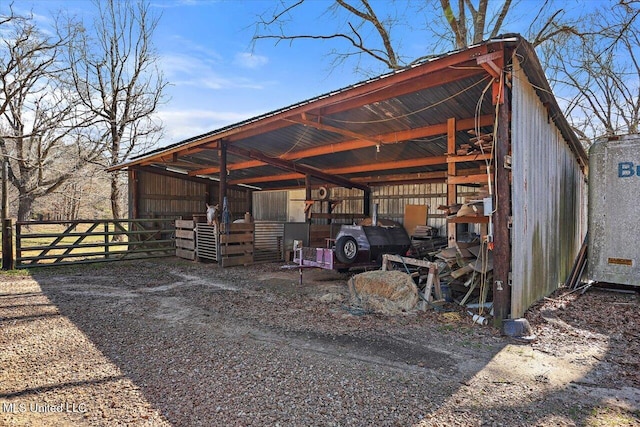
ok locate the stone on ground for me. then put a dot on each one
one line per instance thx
(386, 292)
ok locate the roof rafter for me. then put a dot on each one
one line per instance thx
(412, 163)
(445, 69)
(294, 167)
(389, 138)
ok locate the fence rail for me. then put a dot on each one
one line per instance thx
(42, 243)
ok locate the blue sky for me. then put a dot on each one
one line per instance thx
(217, 78)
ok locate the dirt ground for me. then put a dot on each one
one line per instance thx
(170, 342)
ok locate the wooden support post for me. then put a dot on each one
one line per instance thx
(106, 240)
(135, 194)
(452, 189)
(366, 205)
(250, 201)
(223, 172)
(5, 191)
(7, 227)
(501, 237)
(7, 244)
(308, 202)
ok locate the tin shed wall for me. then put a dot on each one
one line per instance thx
(548, 190)
(165, 196)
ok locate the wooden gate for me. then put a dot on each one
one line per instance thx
(42, 243)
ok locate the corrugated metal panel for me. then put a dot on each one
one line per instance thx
(167, 196)
(270, 205)
(268, 242)
(164, 196)
(547, 193)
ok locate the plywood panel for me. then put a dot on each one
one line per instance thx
(415, 215)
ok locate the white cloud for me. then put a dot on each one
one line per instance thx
(249, 60)
(182, 124)
(192, 70)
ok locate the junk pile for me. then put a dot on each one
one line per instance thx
(467, 271)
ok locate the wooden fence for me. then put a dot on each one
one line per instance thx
(42, 243)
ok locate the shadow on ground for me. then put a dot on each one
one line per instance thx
(176, 343)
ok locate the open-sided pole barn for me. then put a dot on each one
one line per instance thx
(408, 129)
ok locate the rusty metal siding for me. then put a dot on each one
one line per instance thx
(547, 194)
(272, 205)
(164, 196)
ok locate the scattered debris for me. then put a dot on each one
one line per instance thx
(467, 272)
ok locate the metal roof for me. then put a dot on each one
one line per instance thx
(387, 129)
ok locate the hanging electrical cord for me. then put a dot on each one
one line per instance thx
(485, 243)
(428, 107)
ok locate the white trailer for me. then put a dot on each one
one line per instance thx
(614, 204)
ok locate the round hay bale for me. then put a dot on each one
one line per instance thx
(386, 292)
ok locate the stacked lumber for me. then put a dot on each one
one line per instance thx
(467, 270)
(477, 145)
(424, 232)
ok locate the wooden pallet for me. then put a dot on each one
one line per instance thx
(236, 244)
(185, 239)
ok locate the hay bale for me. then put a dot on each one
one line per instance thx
(386, 292)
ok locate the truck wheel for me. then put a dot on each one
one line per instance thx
(346, 249)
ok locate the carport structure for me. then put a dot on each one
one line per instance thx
(408, 127)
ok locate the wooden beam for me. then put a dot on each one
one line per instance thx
(469, 158)
(469, 179)
(223, 173)
(425, 161)
(389, 138)
(314, 122)
(493, 63)
(230, 167)
(402, 164)
(270, 178)
(501, 233)
(437, 176)
(385, 90)
(452, 190)
(296, 167)
(444, 70)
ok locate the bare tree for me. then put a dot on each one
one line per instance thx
(596, 71)
(116, 76)
(39, 116)
(470, 23)
(367, 33)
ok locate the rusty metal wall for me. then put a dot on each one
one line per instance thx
(165, 196)
(547, 195)
(391, 200)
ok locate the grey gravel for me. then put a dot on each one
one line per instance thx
(170, 342)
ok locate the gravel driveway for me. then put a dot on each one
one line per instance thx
(170, 342)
